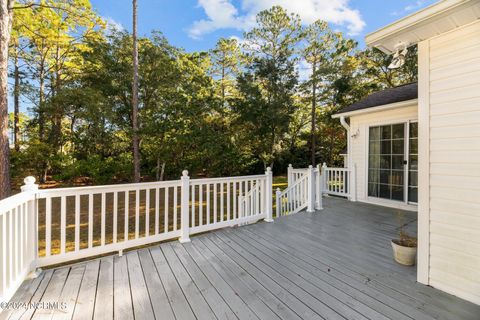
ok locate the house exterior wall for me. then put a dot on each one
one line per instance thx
(449, 167)
(359, 147)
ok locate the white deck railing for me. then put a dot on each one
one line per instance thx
(18, 249)
(45, 227)
(294, 198)
(307, 185)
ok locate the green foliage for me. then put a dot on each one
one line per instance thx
(230, 111)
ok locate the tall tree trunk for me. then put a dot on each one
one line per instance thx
(16, 105)
(41, 118)
(223, 81)
(314, 112)
(58, 115)
(135, 140)
(6, 15)
(41, 100)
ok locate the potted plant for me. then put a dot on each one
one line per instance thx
(405, 247)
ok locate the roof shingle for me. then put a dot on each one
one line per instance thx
(392, 95)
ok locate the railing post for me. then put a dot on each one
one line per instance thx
(268, 195)
(278, 200)
(311, 190)
(241, 205)
(185, 208)
(325, 178)
(289, 175)
(319, 189)
(352, 183)
(31, 187)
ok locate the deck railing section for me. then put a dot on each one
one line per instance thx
(17, 239)
(306, 186)
(339, 181)
(104, 219)
(52, 226)
(223, 202)
(294, 198)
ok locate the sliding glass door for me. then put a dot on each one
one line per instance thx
(390, 150)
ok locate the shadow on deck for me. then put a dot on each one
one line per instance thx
(332, 264)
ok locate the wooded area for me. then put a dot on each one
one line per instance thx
(264, 100)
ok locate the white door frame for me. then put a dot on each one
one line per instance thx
(406, 154)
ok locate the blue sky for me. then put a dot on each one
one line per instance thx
(197, 24)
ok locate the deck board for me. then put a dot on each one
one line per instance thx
(211, 295)
(181, 307)
(142, 305)
(104, 296)
(122, 302)
(86, 297)
(161, 306)
(331, 264)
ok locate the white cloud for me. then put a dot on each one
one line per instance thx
(112, 24)
(304, 70)
(223, 14)
(411, 7)
(415, 5)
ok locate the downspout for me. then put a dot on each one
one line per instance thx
(353, 191)
(344, 124)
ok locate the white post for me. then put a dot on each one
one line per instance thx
(268, 195)
(311, 190)
(289, 175)
(241, 205)
(290, 195)
(185, 208)
(319, 189)
(31, 187)
(352, 183)
(324, 175)
(278, 199)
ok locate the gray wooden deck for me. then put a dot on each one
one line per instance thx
(333, 264)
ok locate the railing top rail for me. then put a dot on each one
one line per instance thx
(297, 182)
(337, 169)
(142, 185)
(299, 170)
(15, 200)
(223, 179)
(109, 188)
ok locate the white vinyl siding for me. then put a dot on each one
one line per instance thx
(359, 145)
(454, 165)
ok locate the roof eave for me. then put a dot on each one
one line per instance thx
(390, 106)
(423, 24)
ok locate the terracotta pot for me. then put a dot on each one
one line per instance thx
(404, 255)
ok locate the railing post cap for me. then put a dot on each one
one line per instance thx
(278, 190)
(185, 173)
(310, 167)
(289, 165)
(324, 164)
(29, 181)
(29, 184)
(269, 169)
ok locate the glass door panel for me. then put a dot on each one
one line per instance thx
(385, 162)
(413, 163)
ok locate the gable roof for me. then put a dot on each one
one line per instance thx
(401, 93)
